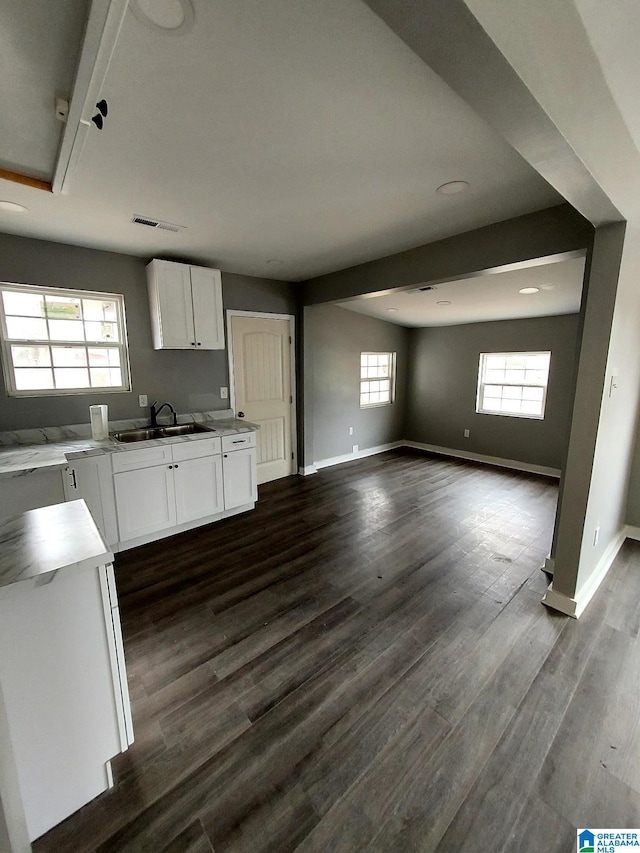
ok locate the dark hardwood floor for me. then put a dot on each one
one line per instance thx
(363, 664)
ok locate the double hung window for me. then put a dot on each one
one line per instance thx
(58, 341)
(513, 383)
(377, 378)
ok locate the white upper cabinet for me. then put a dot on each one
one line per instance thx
(186, 306)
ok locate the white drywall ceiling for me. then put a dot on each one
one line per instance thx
(39, 46)
(291, 131)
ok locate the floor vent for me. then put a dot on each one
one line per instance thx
(156, 223)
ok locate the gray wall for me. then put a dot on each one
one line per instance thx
(442, 385)
(189, 380)
(334, 339)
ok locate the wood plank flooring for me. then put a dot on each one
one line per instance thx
(363, 664)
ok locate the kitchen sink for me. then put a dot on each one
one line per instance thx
(149, 433)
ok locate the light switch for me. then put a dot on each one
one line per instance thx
(224, 393)
(143, 401)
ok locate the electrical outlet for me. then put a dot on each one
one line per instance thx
(350, 430)
(143, 401)
(355, 448)
(224, 393)
(466, 433)
(596, 536)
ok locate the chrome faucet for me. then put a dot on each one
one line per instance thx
(155, 412)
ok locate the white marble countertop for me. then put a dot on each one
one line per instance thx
(60, 446)
(37, 542)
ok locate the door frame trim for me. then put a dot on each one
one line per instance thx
(264, 315)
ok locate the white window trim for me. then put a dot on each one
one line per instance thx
(392, 377)
(5, 343)
(481, 384)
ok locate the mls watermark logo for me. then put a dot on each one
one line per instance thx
(586, 841)
(607, 840)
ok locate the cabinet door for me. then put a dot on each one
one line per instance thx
(145, 501)
(206, 290)
(90, 478)
(198, 484)
(171, 306)
(239, 472)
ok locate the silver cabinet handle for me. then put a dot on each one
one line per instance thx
(72, 474)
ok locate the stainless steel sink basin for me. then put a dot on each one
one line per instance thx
(184, 429)
(149, 433)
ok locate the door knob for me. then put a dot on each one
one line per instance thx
(240, 414)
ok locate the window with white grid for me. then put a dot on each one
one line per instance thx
(513, 383)
(377, 377)
(62, 341)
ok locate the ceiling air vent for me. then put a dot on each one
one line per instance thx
(156, 223)
(424, 288)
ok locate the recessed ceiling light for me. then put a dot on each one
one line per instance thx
(392, 310)
(443, 302)
(528, 290)
(275, 262)
(172, 17)
(12, 207)
(452, 187)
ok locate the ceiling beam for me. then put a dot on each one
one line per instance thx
(17, 178)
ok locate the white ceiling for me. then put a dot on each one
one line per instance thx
(291, 131)
(39, 45)
(490, 296)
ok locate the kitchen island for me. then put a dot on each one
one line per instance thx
(64, 701)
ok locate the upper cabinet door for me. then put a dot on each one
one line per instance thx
(206, 290)
(173, 322)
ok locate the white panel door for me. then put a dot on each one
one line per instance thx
(198, 484)
(145, 501)
(240, 485)
(176, 311)
(263, 391)
(206, 291)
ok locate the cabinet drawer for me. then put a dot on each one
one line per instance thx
(236, 442)
(196, 449)
(145, 457)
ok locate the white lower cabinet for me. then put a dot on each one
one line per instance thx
(198, 488)
(90, 478)
(185, 487)
(145, 501)
(163, 487)
(239, 472)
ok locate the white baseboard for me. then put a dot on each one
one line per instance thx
(486, 460)
(575, 606)
(360, 454)
(432, 448)
(632, 532)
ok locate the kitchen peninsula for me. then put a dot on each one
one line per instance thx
(64, 700)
